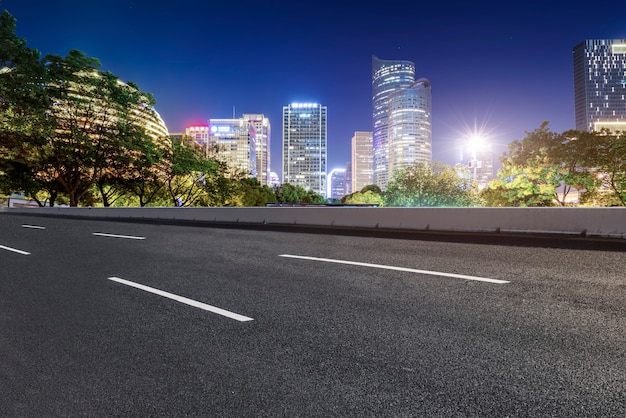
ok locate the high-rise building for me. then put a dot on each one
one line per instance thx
(235, 142)
(362, 160)
(600, 84)
(401, 116)
(262, 131)
(305, 146)
(348, 178)
(477, 156)
(409, 128)
(336, 183)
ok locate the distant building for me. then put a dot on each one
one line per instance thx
(336, 183)
(600, 84)
(477, 157)
(401, 118)
(348, 178)
(262, 132)
(305, 146)
(362, 160)
(199, 135)
(235, 142)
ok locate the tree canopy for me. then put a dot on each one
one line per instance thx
(545, 167)
(430, 184)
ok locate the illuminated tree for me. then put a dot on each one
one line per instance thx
(430, 184)
(543, 168)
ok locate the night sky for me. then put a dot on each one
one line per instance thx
(500, 66)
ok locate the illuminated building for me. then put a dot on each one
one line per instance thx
(262, 132)
(234, 141)
(105, 114)
(401, 116)
(336, 183)
(477, 156)
(348, 178)
(362, 160)
(305, 146)
(198, 134)
(600, 84)
(409, 128)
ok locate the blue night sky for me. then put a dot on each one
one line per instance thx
(502, 67)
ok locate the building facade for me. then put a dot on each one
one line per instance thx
(262, 132)
(362, 160)
(401, 118)
(477, 157)
(409, 126)
(305, 146)
(600, 84)
(336, 183)
(235, 143)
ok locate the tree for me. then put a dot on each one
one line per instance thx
(430, 184)
(543, 168)
(290, 193)
(252, 193)
(93, 112)
(610, 164)
(24, 117)
(368, 195)
(364, 198)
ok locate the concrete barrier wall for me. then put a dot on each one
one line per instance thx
(602, 222)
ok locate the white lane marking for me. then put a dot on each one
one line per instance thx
(102, 234)
(33, 227)
(382, 266)
(15, 250)
(184, 300)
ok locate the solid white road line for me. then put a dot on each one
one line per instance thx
(15, 250)
(102, 234)
(382, 266)
(184, 300)
(33, 227)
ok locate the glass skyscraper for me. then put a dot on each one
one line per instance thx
(401, 116)
(600, 84)
(305, 146)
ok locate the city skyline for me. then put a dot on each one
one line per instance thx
(502, 69)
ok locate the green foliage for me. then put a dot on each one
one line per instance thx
(368, 197)
(289, 193)
(544, 168)
(430, 184)
(251, 193)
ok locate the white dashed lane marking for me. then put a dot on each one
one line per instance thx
(184, 300)
(382, 266)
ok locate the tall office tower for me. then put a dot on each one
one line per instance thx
(409, 128)
(262, 130)
(336, 183)
(401, 114)
(305, 146)
(362, 160)
(600, 84)
(235, 140)
(348, 187)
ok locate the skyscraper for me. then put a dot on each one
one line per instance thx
(401, 116)
(235, 140)
(336, 183)
(262, 132)
(600, 84)
(362, 155)
(305, 146)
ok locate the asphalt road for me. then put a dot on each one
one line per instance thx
(127, 319)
